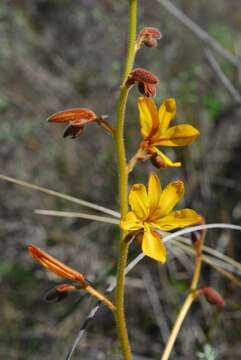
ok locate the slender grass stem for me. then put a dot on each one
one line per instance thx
(60, 195)
(123, 185)
(71, 214)
(211, 261)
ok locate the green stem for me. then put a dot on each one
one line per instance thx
(132, 38)
(121, 153)
(120, 311)
(123, 185)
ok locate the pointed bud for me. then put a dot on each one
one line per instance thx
(145, 80)
(59, 292)
(148, 36)
(56, 266)
(77, 115)
(212, 296)
(77, 118)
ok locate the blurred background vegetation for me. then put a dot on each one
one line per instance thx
(61, 54)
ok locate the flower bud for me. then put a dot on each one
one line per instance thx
(77, 118)
(56, 266)
(145, 80)
(148, 36)
(59, 292)
(212, 296)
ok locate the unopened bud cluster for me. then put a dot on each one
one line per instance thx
(145, 80)
(148, 36)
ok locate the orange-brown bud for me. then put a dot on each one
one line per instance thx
(77, 118)
(212, 296)
(56, 266)
(148, 36)
(59, 292)
(145, 80)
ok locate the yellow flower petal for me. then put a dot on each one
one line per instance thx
(167, 162)
(170, 196)
(179, 135)
(130, 222)
(154, 191)
(139, 201)
(148, 116)
(153, 247)
(177, 219)
(167, 112)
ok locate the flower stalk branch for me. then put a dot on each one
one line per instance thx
(139, 155)
(98, 295)
(60, 269)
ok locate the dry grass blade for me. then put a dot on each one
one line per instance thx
(199, 227)
(199, 32)
(223, 78)
(208, 260)
(61, 195)
(215, 253)
(70, 214)
(159, 314)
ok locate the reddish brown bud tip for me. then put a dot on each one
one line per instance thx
(148, 36)
(212, 296)
(145, 80)
(59, 292)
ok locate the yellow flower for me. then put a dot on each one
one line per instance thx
(155, 128)
(152, 209)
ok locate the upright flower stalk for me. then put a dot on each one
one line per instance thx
(123, 184)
